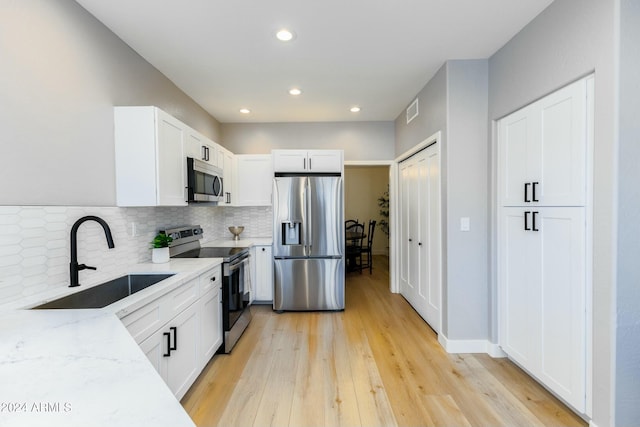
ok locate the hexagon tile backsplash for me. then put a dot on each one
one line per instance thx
(34, 240)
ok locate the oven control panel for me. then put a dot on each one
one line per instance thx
(183, 234)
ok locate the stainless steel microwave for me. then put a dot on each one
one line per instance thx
(204, 182)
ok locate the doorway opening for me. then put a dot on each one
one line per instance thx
(366, 198)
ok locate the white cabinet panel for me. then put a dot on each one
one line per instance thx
(150, 161)
(542, 151)
(543, 295)
(263, 277)
(254, 180)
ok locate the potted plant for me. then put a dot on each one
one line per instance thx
(160, 248)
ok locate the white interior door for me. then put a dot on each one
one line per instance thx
(420, 246)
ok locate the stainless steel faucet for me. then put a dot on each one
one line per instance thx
(74, 267)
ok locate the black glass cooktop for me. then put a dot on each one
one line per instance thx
(228, 254)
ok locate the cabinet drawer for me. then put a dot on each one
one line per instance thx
(145, 321)
(181, 298)
(210, 280)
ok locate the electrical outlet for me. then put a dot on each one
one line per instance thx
(133, 229)
(465, 224)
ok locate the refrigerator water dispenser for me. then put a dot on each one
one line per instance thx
(291, 233)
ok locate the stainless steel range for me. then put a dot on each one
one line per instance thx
(235, 282)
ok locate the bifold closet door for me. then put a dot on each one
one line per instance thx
(420, 234)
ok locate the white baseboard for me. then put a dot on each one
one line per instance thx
(471, 346)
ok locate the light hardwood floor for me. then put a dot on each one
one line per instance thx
(375, 364)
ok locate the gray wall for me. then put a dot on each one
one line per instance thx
(570, 39)
(455, 103)
(467, 196)
(62, 72)
(627, 362)
(359, 140)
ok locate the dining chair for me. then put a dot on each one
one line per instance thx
(367, 262)
(353, 248)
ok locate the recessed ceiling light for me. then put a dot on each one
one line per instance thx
(355, 109)
(295, 91)
(285, 35)
(245, 110)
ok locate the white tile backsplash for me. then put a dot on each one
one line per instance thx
(34, 240)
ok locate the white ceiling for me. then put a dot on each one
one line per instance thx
(377, 54)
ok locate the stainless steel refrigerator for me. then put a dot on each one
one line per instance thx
(308, 243)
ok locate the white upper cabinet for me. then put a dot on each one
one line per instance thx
(543, 151)
(150, 161)
(226, 161)
(311, 161)
(254, 178)
(202, 148)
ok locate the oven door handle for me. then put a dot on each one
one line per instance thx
(237, 265)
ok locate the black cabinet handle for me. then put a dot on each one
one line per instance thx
(533, 192)
(411, 240)
(175, 338)
(419, 243)
(168, 353)
(262, 249)
(309, 164)
(526, 220)
(533, 221)
(213, 279)
(526, 192)
(304, 163)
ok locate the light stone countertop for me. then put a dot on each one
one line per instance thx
(78, 368)
(82, 367)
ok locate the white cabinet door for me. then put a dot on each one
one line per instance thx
(263, 278)
(289, 160)
(542, 151)
(210, 325)
(150, 160)
(324, 161)
(228, 178)
(183, 365)
(254, 180)
(420, 247)
(543, 295)
(173, 351)
(171, 161)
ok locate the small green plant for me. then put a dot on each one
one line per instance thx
(161, 241)
(383, 203)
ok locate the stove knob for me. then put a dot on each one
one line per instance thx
(197, 231)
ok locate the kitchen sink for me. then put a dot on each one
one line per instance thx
(107, 293)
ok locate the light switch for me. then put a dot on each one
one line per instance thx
(465, 224)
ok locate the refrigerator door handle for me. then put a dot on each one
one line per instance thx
(309, 224)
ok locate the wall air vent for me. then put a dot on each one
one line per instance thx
(412, 111)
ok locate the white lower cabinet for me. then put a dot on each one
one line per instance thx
(211, 317)
(180, 331)
(173, 351)
(263, 276)
(543, 300)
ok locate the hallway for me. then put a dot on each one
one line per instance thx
(376, 363)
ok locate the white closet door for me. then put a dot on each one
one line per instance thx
(420, 246)
(429, 294)
(405, 196)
